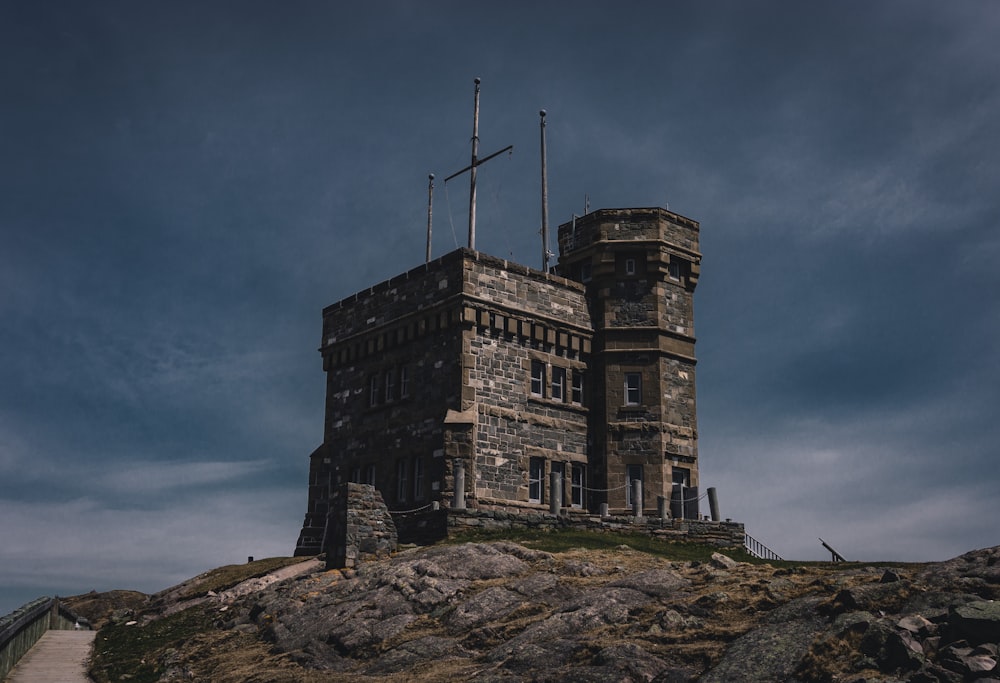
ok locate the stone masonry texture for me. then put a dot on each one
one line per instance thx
(585, 373)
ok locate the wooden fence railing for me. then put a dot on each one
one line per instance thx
(22, 628)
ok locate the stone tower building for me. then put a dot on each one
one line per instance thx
(514, 374)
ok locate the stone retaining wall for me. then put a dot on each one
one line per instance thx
(431, 526)
(360, 527)
(720, 534)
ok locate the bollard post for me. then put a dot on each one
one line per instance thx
(555, 492)
(458, 501)
(663, 507)
(637, 498)
(604, 511)
(713, 504)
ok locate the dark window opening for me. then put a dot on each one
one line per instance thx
(577, 485)
(559, 384)
(404, 381)
(633, 388)
(537, 378)
(577, 387)
(536, 480)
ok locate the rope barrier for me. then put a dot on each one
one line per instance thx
(623, 486)
(409, 512)
(617, 488)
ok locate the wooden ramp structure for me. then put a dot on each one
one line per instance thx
(57, 657)
(44, 641)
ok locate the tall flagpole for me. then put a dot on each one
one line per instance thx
(545, 200)
(476, 162)
(472, 170)
(430, 206)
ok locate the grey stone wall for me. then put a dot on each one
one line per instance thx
(522, 316)
(466, 331)
(642, 266)
(360, 527)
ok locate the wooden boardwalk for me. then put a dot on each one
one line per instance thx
(57, 657)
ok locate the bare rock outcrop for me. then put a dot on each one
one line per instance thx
(502, 612)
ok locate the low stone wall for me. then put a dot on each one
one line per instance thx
(359, 527)
(434, 525)
(423, 527)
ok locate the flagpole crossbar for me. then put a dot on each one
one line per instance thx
(471, 168)
(508, 148)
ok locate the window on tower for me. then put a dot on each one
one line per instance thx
(537, 378)
(675, 269)
(536, 479)
(577, 396)
(558, 384)
(633, 388)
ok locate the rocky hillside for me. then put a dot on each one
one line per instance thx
(504, 612)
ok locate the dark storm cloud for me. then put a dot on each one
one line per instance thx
(184, 186)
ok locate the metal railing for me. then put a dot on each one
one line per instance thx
(758, 549)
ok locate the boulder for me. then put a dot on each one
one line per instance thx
(977, 622)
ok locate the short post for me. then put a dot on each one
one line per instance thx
(458, 501)
(663, 507)
(713, 504)
(249, 559)
(637, 498)
(604, 511)
(555, 492)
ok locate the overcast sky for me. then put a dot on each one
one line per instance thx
(185, 185)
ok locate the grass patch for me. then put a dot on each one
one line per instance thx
(135, 653)
(561, 540)
(557, 541)
(231, 574)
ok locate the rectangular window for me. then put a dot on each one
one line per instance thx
(578, 387)
(404, 381)
(683, 499)
(373, 390)
(630, 266)
(577, 485)
(559, 468)
(418, 478)
(585, 271)
(369, 475)
(559, 384)
(390, 386)
(632, 473)
(355, 475)
(536, 479)
(675, 270)
(633, 388)
(537, 378)
(402, 479)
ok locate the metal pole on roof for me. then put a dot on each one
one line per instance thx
(545, 199)
(471, 168)
(430, 211)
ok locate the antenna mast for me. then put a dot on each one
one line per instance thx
(430, 211)
(472, 168)
(545, 199)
